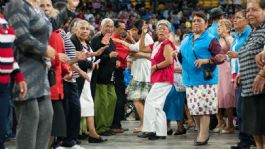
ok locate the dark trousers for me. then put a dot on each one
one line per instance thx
(243, 137)
(4, 107)
(121, 98)
(72, 109)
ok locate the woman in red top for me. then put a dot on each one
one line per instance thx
(162, 74)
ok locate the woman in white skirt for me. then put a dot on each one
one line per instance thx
(80, 40)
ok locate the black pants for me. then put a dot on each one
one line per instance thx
(121, 98)
(72, 109)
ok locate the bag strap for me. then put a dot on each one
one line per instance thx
(193, 48)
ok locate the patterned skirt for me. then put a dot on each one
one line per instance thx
(138, 90)
(202, 99)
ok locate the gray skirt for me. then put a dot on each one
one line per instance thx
(58, 122)
(138, 90)
(253, 117)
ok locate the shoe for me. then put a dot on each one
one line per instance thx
(117, 130)
(96, 140)
(153, 136)
(82, 136)
(217, 130)
(180, 132)
(125, 129)
(229, 131)
(137, 130)
(68, 143)
(170, 132)
(240, 145)
(78, 141)
(107, 133)
(196, 143)
(77, 147)
(145, 134)
(157, 137)
(190, 124)
(60, 147)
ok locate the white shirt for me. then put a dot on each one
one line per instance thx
(141, 67)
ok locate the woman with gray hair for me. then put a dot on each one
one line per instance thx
(162, 76)
(102, 83)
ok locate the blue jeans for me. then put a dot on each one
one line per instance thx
(243, 137)
(4, 108)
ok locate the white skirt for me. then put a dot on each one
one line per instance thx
(86, 100)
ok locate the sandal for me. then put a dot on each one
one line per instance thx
(180, 132)
(137, 130)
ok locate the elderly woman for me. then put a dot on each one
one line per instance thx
(253, 77)
(198, 53)
(80, 40)
(226, 90)
(162, 76)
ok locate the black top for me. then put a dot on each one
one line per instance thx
(107, 65)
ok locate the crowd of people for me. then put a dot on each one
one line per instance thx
(67, 78)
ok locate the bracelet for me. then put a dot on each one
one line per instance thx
(209, 61)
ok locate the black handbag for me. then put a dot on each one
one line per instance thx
(206, 68)
(51, 77)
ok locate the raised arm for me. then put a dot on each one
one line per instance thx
(143, 47)
(64, 14)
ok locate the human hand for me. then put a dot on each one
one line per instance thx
(69, 75)
(153, 69)
(84, 55)
(220, 57)
(72, 4)
(50, 52)
(174, 53)
(145, 29)
(258, 84)
(198, 63)
(237, 81)
(232, 54)
(23, 89)
(113, 54)
(177, 69)
(260, 59)
(118, 64)
(84, 75)
(129, 35)
(105, 40)
(63, 57)
(95, 66)
(117, 40)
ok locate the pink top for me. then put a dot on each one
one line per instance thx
(165, 74)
